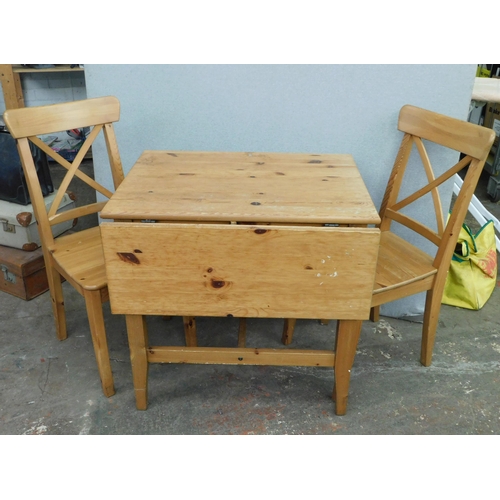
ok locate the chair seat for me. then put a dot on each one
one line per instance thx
(400, 263)
(80, 256)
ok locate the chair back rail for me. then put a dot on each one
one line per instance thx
(464, 137)
(27, 122)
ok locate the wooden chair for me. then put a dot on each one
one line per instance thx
(77, 257)
(403, 269)
(241, 271)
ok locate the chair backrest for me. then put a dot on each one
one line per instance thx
(473, 141)
(26, 124)
(240, 270)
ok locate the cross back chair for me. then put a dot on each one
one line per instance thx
(403, 269)
(77, 257)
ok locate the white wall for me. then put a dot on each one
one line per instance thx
(286, 108)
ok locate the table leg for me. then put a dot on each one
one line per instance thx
(190, 331)
(138, 343)
(288, 328)
(242, 332)
(348, 332)
(375, 313)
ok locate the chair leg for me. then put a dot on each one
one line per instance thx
(95, 315)
(375, 314)
(288, 328)
(57, 299)
(138, 343)
(348, 332)
(190, 331)
(431, 318)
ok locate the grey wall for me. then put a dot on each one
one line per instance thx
(285, 108)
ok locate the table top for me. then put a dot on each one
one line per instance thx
(243, 187)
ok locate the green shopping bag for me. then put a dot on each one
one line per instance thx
(472, 275)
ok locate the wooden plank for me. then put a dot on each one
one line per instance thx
(59, 68)
(240, 356)
(240, 271)
(247, 158)
(243, 187)
(11, 86)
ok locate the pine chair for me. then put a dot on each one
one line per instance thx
(77, 257)
(403, 269)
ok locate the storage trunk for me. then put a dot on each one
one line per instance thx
(22, 273)
(18, 227)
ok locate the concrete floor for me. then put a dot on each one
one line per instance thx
(52, 387)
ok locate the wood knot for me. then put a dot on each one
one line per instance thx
(218, 283)
(128, 257)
